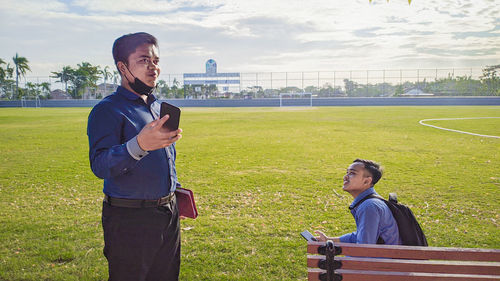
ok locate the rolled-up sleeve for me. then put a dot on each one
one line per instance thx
(348, 238)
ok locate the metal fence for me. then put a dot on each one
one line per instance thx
(271, 84)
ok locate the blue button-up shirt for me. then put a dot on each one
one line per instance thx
(373, 219)
(115, 156)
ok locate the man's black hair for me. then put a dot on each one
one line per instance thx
(373, 168)
(127, 44)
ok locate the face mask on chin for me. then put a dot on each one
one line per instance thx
(139, 87)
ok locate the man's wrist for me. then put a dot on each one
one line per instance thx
(135, 150)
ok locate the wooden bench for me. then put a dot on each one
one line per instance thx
(346, 261)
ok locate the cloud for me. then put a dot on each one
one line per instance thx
(257, 35)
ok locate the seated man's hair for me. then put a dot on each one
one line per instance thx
(373, 168)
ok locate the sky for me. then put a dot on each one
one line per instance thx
(257, 35)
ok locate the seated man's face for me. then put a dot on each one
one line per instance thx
(144, 64)
(357, 179)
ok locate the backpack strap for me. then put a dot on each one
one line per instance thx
(379, 240)
(366, 198)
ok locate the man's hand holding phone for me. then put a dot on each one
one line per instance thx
(323, 238)
(155, 136)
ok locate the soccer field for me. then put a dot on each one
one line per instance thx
(260, 177)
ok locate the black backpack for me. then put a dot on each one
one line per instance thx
(409, 230)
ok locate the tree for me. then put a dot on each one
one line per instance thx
(106, 74)
(162, 88)
(491, 80)
(6, 82)
(22, 66)
(85, 76)
(175, 87)
(45, 89)
(64, 76)
(116, 76)
(3, 73)
(350, 87)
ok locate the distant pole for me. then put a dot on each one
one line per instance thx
(383, 81)
(271, 81)
(302, 82)
(470, 81)
(318, 80)
(334, 81)
(367, 75)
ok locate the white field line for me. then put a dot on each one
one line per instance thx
(457, 131)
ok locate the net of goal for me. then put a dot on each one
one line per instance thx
(31, 102)
(295, 99)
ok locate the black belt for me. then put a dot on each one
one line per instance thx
(139, 203)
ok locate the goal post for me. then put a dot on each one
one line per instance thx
(36, 103)
(295, 99)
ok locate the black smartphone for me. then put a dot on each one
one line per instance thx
(175, 115)
(308, 236)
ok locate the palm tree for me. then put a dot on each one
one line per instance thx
(45, 89)
(116, 76)
(106, 74)
(6, 82)
(2, 71)
(64, 76)
(21, 68)
(175, 85)
(32, 90)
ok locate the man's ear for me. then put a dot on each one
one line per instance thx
(368, 180)
(121, 67)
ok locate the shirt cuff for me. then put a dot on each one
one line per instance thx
(135, 150)
(346, 238)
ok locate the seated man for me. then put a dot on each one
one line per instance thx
(374, 221)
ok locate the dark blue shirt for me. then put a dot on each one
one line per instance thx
(373, 219)
(115, 156)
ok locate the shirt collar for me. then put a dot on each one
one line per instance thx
(131, 96)
(362, 195)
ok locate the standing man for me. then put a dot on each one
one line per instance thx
(375, 223)
(135, 155)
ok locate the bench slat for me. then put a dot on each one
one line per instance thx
(313, 274)
(364, 275)
(361, 275)
(458, 267)
(411, 252)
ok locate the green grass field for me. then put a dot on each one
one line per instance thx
(260, 176)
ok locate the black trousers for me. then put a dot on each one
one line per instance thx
(142, 244)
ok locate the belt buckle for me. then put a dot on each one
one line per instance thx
(165, 200)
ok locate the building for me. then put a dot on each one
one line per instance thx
(416, 92)
(59, 95)
(211, 83)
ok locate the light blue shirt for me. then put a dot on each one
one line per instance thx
(373, 219)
